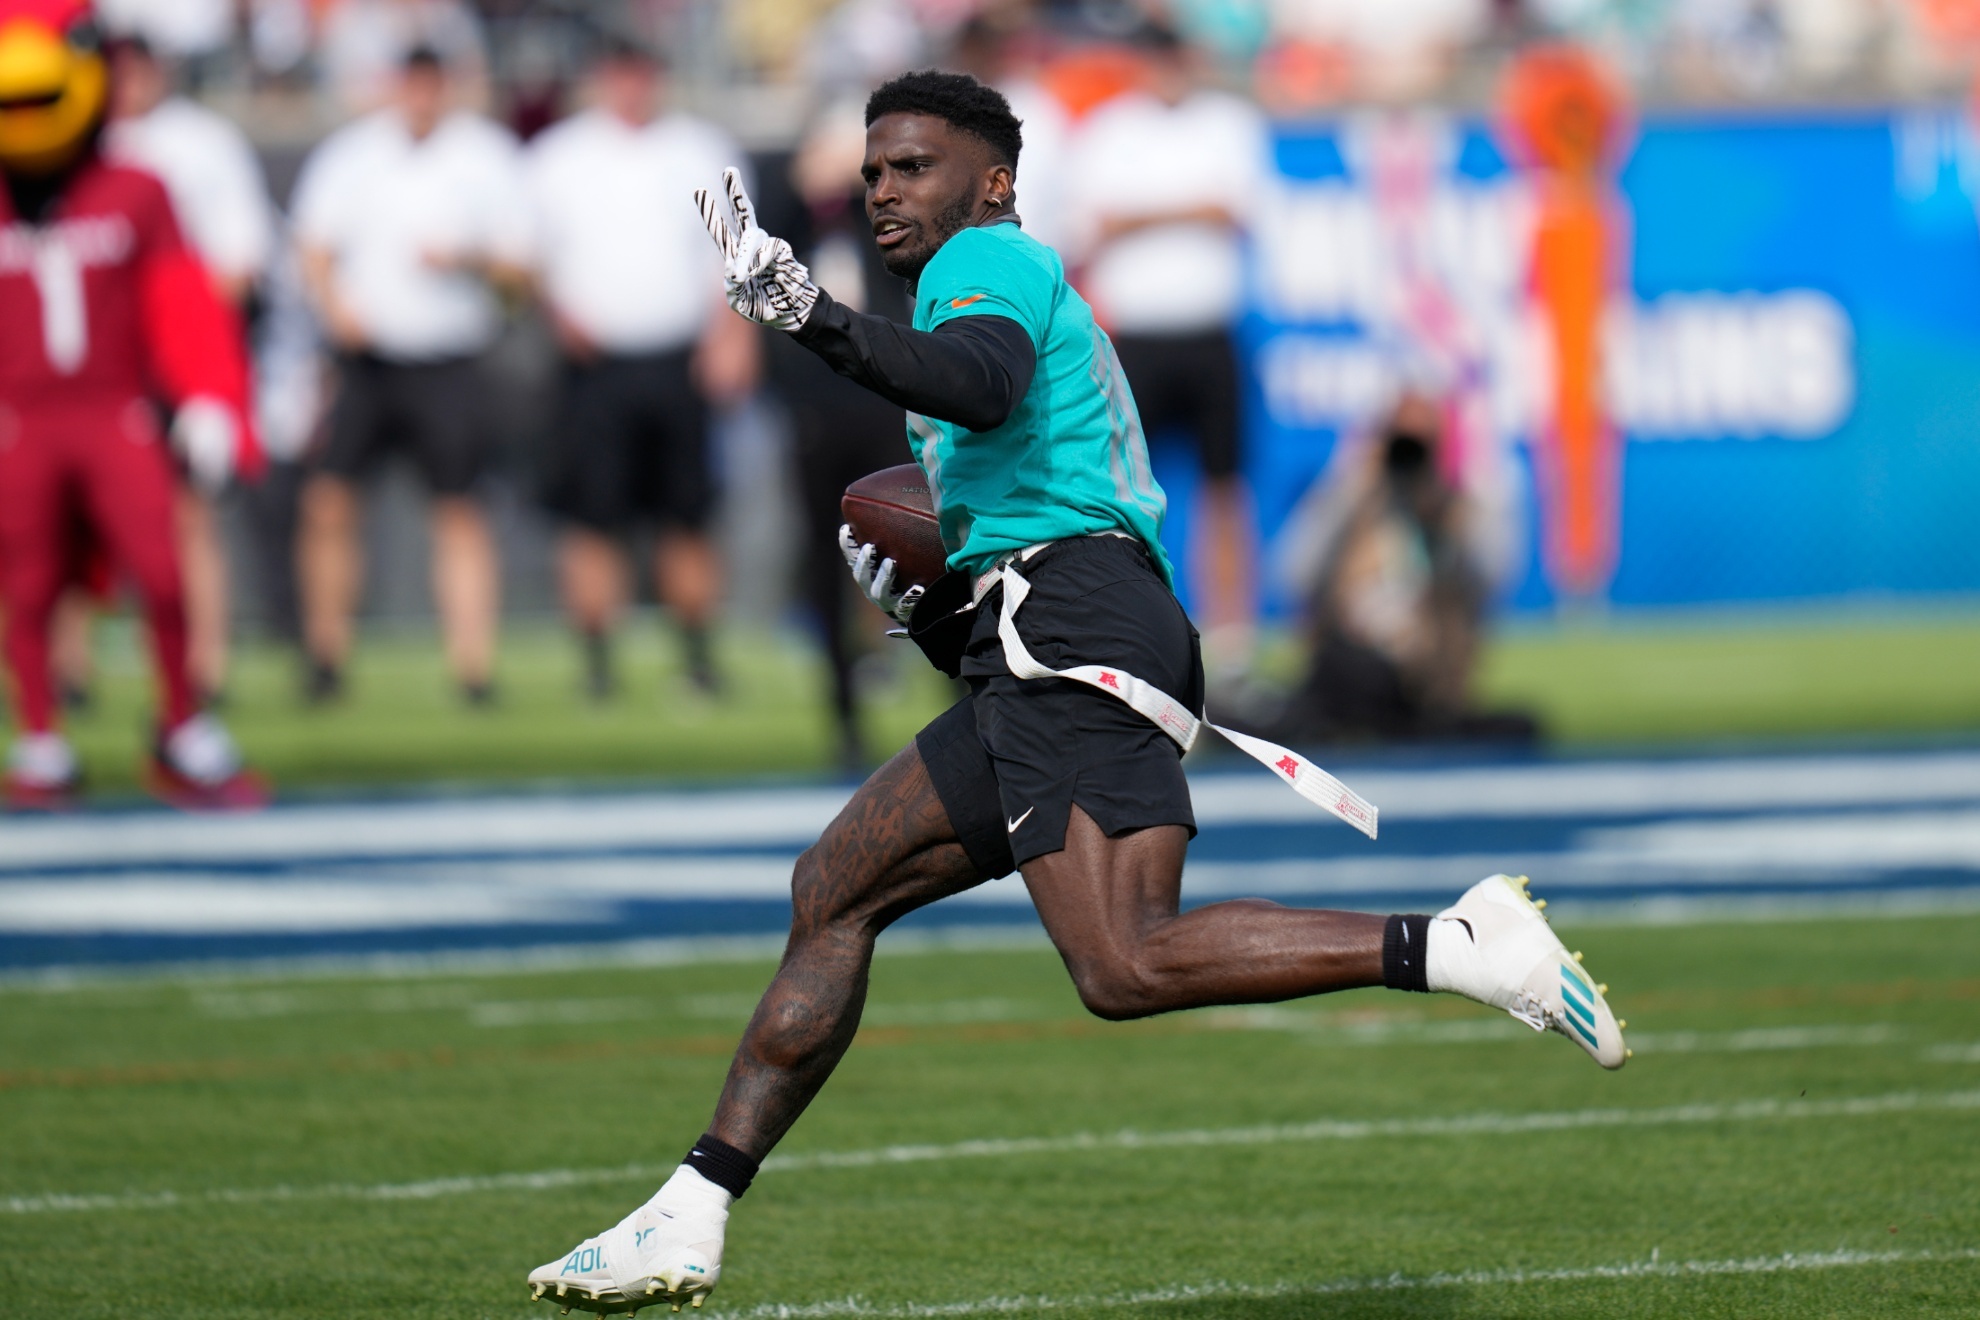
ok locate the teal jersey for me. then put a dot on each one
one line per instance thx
(1070, 460)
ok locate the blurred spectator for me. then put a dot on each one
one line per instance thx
(634, 290)
(1162, 182)
(365, 40)
(1384, 551)
(841, 431)
(408, 221)
(289, 399)
(206, 161)
(215, 182)
(1396, 50)
(179, 29)
(1006, 56)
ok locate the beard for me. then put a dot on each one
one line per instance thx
(908, 260)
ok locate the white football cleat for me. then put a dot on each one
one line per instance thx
(1513, 960)
(669, 1250)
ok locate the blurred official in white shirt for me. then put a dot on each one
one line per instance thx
(206, 162)
(1163, 181)
(409, 223)
(215, 181)
(634, 289)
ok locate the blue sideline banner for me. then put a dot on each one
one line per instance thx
(1791, 350)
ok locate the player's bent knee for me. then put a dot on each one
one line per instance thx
(1118, 990)
(816, 903)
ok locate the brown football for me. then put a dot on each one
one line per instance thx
(893, 510)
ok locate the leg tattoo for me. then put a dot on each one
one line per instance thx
(889, 852)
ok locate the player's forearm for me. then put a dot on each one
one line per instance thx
(973, 371)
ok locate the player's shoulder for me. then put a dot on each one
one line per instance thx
(1127, 113)
(361, 143)
(466, 133)
(572, 135)
(691, 132)
(186, 119)
(999, 249)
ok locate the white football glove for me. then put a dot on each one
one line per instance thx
(763, 278)
(206, 436)
(875, 577)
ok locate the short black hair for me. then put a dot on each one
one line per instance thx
(423, 58)
(967, 105)
(617, 46)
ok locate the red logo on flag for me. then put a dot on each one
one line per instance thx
(1287, 766)
(1109, 680)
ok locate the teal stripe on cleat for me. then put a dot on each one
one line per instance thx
(1585, 1001)
(1572, 975)
(1582, 1015)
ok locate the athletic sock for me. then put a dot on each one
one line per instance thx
(1406, 952)
(721, 1164)
(1452, 963)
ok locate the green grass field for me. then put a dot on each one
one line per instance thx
(1796, 1137)
(1639, 683)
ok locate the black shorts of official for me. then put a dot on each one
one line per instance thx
(1188, 382)
(434, 411)
(1011, 759)
(632, 445)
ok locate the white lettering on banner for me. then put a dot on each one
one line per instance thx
(1687, 365)
(1742, 364)
(1338, 264)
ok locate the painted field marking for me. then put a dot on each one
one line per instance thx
(1325, 1029)
(1457, 1125)
(1788, 1263)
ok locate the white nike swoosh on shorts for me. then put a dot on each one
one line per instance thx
(1011, 826)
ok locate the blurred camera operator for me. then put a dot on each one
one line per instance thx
(1385, 553)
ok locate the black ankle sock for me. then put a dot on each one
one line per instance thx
(722, 1164)
(1406, 953)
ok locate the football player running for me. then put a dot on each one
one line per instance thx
(1064, 762)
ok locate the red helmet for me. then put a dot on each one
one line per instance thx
(53, 83)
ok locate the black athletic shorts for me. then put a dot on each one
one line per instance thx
(1190, 382)
(632, 445)
(1011, 758)
(436, 411)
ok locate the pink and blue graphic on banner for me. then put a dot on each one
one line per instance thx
(1790, 351)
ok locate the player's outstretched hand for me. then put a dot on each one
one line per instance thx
(765, 281)
(875, 577)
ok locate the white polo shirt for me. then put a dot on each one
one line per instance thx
(1138, 156)
(214, 178)
(625, 255)
(382, 203)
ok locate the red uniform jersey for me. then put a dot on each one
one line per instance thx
(104, 302)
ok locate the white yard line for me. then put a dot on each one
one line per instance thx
(1456, 1125)
(1789, 1263)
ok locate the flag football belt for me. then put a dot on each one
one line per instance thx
(1164, 711)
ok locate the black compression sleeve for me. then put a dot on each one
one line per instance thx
(972, 371)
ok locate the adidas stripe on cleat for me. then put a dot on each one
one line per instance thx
(1494, 945)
